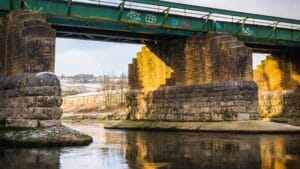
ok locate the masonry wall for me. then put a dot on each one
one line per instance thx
(209, 78)
(278, 78)
(278, 72)
(2, 47)
(234, 100)
(148, 70)
(28, 98)
(214, 58)
(196, 60)
(30, 44)
(280, 104)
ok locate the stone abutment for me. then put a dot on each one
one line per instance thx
(201, 78)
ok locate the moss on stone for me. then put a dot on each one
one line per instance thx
(37, 137)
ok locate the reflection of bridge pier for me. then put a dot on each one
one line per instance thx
(12, 158)
(194, 150)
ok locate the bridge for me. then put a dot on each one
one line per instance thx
(196, 64)
(147, 20)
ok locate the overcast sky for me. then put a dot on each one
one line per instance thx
(91, 57)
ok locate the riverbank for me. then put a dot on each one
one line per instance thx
(253, 126)
(94, 116)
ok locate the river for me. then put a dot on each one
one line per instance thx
(120, 149)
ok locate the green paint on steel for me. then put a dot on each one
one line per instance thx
(214, 10)
(132, 20)
(106, 25)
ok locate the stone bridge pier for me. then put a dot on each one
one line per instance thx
(29, 91)
(201, 78)
(278, 78)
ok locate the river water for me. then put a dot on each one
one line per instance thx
(119, 149)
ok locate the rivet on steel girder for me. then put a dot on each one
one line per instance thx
(166, 12)
(243, 24)
(243, 19)
(121, 6)
(69, 7)
(206, 20)
(275, 24)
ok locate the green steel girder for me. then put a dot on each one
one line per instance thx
(117, 26)
(78, 14)
(214, 10)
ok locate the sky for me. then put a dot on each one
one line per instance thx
(98, 58)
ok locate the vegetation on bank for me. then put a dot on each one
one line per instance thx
(98, 116)
(107, 103)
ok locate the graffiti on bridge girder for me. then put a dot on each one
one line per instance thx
(133, 15)
(152, 19)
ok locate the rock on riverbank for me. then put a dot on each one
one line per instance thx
(38, 137)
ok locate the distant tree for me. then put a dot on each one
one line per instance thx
(123, 84)
(113, 88)
(107, 88)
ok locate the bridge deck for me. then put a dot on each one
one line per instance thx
(147, 20)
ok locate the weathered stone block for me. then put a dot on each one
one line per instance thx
(4, 114)
(27, 97)
(28, 123)
(49, 123)
(274, 104)
(44, 113)
(15, 113)
(243, 116)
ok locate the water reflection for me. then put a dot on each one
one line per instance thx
(29, 158)
(191, 150)
(280, 152)
(161, 150)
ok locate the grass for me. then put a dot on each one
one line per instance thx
(115, 116)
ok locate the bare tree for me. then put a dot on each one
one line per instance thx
(123, 83)
(107, 91)
(114, 90)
